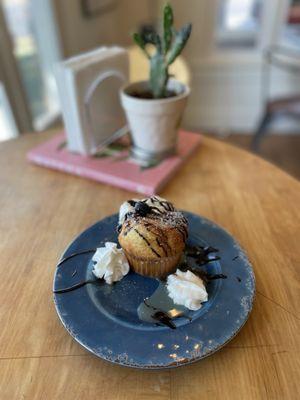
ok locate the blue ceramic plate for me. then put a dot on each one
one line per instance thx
(104, 318)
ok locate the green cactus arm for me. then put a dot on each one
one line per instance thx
(168, 23)
(153, 38)
(174, 32)
(158, 76)
(141, 43)
(180, 40)
(168, 46)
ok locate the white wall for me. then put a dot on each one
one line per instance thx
(226, 84)
(79, 33)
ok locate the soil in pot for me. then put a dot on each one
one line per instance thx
(147, 94)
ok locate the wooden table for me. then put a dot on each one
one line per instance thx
(42, 210)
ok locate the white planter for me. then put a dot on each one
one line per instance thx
(154, 122)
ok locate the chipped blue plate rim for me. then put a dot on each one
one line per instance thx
(103, 318)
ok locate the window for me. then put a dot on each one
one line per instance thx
(8, 128)
(35, 48)
(291, 31)
(238, 23)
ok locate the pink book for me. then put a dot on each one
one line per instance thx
(114, 166)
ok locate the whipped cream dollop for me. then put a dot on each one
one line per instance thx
(110, 263)
(187, 289)
(157, 204)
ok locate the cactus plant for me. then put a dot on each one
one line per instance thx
(168, 46)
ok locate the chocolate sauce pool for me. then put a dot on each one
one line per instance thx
(160, 308)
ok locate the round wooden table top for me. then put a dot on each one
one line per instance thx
(41, 212)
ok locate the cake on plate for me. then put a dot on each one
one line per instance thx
(152, 234)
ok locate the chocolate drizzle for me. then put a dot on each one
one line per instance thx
(156, 209)
(165, 204)
(148, 243)
(200, 254)
(131, 202)
(160, 316)
(148, 310)
(183, 231)
(159, 307)
(76, 286)
(74, 255)
(161, 238)
(155, 216)
(159, 244)
(207, 277)
(142, 209)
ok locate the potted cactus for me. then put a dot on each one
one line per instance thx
(154, 108)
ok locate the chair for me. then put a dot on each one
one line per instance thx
(289, 60)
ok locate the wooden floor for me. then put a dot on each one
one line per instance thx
(281, 150)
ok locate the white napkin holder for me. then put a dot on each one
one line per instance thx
(88, 87)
